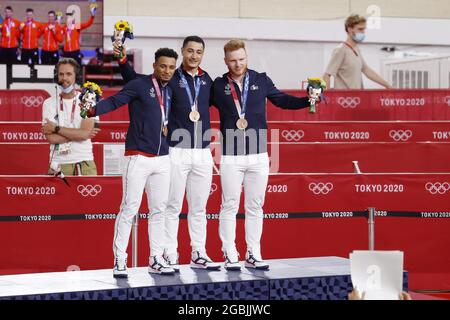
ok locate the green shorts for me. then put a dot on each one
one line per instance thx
(84, 168)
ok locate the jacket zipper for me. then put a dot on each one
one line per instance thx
(160, 135)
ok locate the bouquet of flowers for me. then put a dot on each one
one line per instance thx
(315, 89)
(89, 97)
(59, 15)
(122, 30)
(93, 7)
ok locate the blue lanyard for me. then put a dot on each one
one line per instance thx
(188, 90)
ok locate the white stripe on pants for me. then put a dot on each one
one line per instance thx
(252, 171)
(153, 175)
(191, 171)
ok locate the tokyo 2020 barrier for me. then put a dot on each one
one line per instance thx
(374, 157)
(47, 226)
(280, 131)
(340, 105)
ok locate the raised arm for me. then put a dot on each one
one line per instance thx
(126, 70)
(87, 24)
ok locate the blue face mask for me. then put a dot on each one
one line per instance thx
(69, 89)
(359, 37)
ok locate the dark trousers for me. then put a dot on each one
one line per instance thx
(30, 56)
(49, 57)
(8, 55)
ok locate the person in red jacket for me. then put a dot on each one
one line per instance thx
(72, 33)
(10, 38)
(53, 34)
(31, 32)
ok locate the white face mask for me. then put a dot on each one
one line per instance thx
(69, 89)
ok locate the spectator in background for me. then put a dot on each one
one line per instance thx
(69, 134)
(53, 34)
(72, 34)
(347, 64)
(10, 38)
(31, 32)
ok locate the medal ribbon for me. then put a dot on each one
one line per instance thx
(237, 103)
(164, 106)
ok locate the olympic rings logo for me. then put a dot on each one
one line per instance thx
(400, 135)
(292, 135)
(437, 187)
(349, 102)
(89, 190)
(213, 188)
(32, 101)
(447, 100)
(320, 188)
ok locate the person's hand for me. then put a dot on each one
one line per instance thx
(388, 86)
(356, 295)
(51, 27)
(94, 132)
(119, 51)
(48, 127)
(21, 26)
(405, 296)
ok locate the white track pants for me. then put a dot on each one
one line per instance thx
(153, 175)
(252, 171)
(191, 171)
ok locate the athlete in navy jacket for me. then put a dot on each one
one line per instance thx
(191, 160)
(147, 163)
(240, 96)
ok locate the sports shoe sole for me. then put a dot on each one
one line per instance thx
(177, 270)
(120, 275)
(233, 268)
(252, 266)
(200, 266)
(170, 273)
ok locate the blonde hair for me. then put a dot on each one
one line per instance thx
(353, 20)
(233, 45)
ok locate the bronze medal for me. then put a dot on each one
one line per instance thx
(194, 115)
(242, 124)
(165, 131)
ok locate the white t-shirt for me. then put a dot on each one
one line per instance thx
(79, 150)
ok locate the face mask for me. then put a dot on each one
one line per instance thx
(69, 89)
(358, 37)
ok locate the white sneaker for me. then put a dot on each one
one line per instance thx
(232, 262)
(120, 268)
(158, 265)
(255, 262)
(201, 260)
(172, 261)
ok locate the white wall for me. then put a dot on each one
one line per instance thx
(288, 50)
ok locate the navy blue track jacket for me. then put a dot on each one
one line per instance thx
(146, 123)
(197, 134)
(253, 140)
